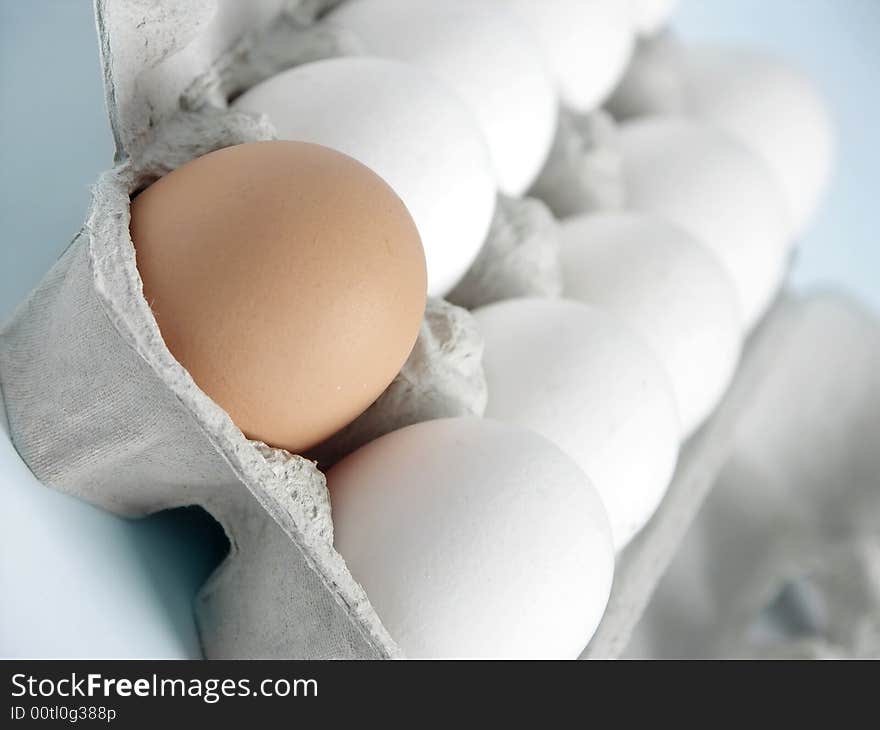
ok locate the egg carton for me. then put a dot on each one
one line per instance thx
(98, 407)
(783, 560)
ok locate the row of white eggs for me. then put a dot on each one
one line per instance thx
(464, 101)
(483, 537)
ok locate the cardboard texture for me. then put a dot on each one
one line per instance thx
(783, 560)
(583, 171)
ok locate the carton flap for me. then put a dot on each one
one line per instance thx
(153, 50)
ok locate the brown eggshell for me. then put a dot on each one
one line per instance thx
(287, 278)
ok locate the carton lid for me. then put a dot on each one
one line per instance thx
(152, 51)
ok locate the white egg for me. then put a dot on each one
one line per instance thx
(588, 44)
(773, 109)
(669, 289)
(649, 16)
(474, 539)
(409, 129)
(719, 191)
(579, 377)
(484, 54)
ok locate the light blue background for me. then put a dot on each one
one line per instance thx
(75, 581)
(837, 43)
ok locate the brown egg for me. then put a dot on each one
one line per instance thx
(287, 278)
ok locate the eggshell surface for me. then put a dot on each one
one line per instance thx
(474, 539)
(588, 44)
(287, 278)
(669, 289)
(486, 56)
(774, 110)
(408, 128)
(579, 377)
(708, 183)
